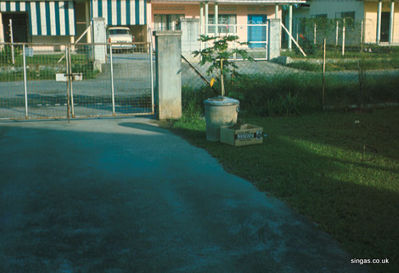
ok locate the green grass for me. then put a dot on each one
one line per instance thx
(294, 93)
(316, 51)
(379, 58)
(338, 169)
(370, 64)
(43, 66)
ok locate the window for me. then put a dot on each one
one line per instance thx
(119, 31)
(167, 21)
(226, 23)
(349, 17)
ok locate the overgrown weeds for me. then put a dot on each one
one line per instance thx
(296, 93)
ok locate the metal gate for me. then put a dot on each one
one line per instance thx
(39, 81)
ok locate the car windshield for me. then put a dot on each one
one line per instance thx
(118, 31)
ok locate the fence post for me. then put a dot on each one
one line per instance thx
(343, 37)
(68, 80)
(314, 33)
(12, 42)
(336, 33)
(152, 73)
(112, 79)
(168, 74)
(290, 26)
(25, 81)
(361, 35)
(324, 75)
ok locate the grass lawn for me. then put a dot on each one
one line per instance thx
(369, 64)
(350, 52)
(339, 169)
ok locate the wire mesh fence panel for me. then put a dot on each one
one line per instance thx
(362, 80)
(12, 102)
(91, 92)
(47, 98)
(132, 78)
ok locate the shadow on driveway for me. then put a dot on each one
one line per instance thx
(125, 196)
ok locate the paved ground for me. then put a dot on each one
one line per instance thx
(121, 195)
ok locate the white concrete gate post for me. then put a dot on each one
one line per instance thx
(168, 71)
(274, 38)
(99, 38)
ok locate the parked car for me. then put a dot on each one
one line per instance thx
(121, 38)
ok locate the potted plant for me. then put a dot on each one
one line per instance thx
(221, 110)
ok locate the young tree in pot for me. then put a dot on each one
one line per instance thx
(221, 110)
(219, 56)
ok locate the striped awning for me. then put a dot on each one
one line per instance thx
(46, 18)
(120, 12)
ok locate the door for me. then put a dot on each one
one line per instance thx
(385, 16)
(257, 34)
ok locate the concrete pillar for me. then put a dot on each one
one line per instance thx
(379, 10)
(99, 37)
(274, 39)
(189, 38)
(87, 19)
(216, 19)
(201, 18)
(1, 29)
(206, 18)
(391, 22)
(276, 11)
(168, 68)
(290, 26)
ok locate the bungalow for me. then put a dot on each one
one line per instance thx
(55, 21)
(378, 19)
(244, 18)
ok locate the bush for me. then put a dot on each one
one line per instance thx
(192, 101)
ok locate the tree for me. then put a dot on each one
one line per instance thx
(219, 56)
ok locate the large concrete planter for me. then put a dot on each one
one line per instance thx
(219, 111)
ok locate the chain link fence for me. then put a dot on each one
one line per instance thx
(66, 80)
(293, 83)
(343, 36)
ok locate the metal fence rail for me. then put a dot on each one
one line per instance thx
(69, 80)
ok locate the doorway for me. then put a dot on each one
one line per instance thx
(257, 34)
(385, 17)
(19, 27)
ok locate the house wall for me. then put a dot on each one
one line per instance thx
(193, 11)
(332, 7)
(370, 18)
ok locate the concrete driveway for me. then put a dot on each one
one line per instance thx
(121, 195)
